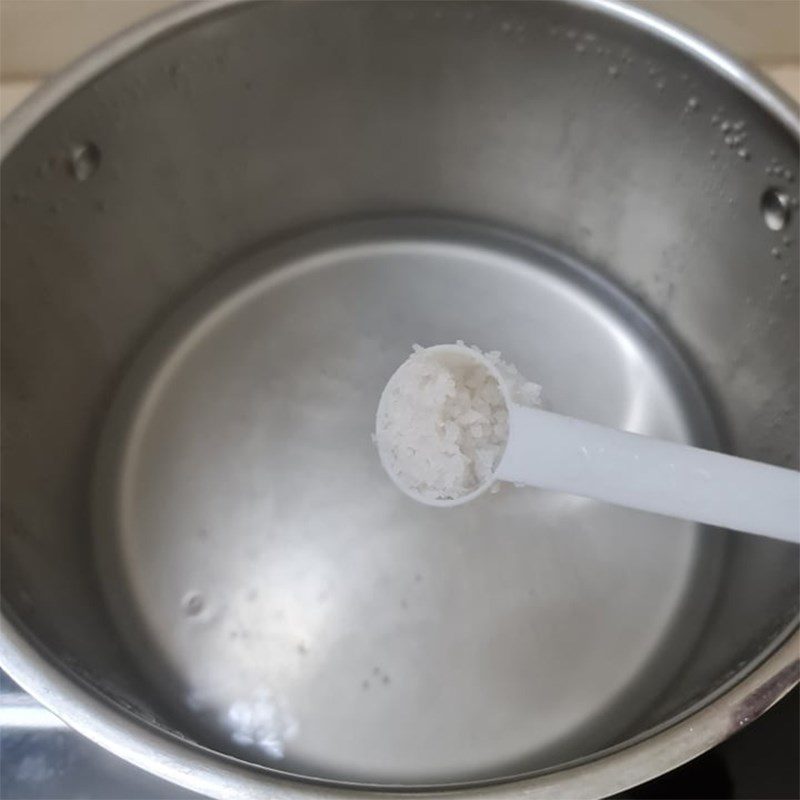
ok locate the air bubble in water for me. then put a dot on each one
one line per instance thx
(193, 604)
(692, 104)
(744, 153)
(775, 252)
(613, 71)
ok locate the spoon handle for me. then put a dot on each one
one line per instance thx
(555, 452)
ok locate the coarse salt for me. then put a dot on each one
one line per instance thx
(443, 423)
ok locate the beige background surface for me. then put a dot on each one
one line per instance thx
(38, 37)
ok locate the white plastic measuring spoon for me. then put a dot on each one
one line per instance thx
(560, 453)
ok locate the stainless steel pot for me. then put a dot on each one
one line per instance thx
(224, 229)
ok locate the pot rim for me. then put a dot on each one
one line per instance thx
(741, 700)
